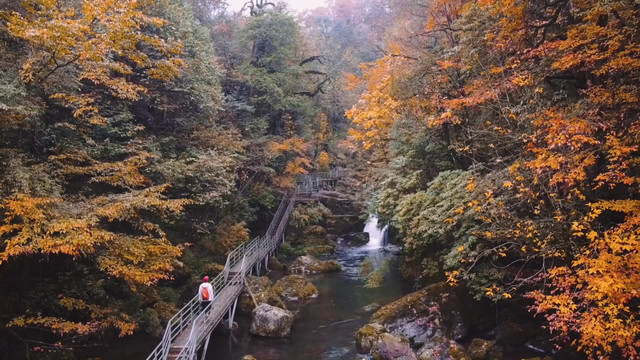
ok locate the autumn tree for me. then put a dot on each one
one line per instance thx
(118, 101)
(534, 105)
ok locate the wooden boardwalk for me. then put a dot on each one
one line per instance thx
(190, 329)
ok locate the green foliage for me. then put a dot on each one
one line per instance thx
(306, 214)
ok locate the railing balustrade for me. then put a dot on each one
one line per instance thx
(226, 290)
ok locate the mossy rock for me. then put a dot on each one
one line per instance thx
(442, 348)
(308, 264)
(262, 291)
(271, 321)
(321, 249)
(367, 336)
(390, 347)
(315, 230)
(432, 311)
(295, 288)
(481, 349)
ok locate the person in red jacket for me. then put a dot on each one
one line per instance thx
(205, 292)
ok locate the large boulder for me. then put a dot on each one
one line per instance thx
(481, 349)
(442, 348)
(295, 288)
(419, 316)
(263, 293)
(367, 336)
(354, 239)
(308, 264)
(271, 321)
(390, 347)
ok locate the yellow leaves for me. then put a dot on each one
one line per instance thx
(101, 319)
(460, 248)
(230, 235)
(507, 184)
(601, 281)
(353, 81)
(294, 144)
(97, 38)
(452, 277)
(522, 80)
(491, 291)
(45, 226)
(298, 165)
(375, 114)
(323, 161)
(123, 174)
(471, 186)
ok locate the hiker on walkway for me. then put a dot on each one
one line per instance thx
(205, 292)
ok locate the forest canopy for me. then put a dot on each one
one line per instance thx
(141, 141)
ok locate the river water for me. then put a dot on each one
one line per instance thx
(324, 329)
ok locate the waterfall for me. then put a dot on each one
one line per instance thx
(377, 236)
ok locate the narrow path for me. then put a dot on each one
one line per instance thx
(190, 329)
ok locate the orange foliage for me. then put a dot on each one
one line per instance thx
(297, 163)
(556, 88)
(47, 226)
(375, 113)
(102, 39)
(102, 319)
(593, 296)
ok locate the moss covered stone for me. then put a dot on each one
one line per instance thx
(481, 349)
(271, 321)
(263, 293)
(308, 264)
(442, 348)
(390, 347)
(295, 288)
(315, 230)
(367, 336)
(419, 316)
(275, 264)
(321, 249)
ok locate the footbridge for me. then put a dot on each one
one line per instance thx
(189, 331)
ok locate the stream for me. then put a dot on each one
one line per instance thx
(324, 329)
